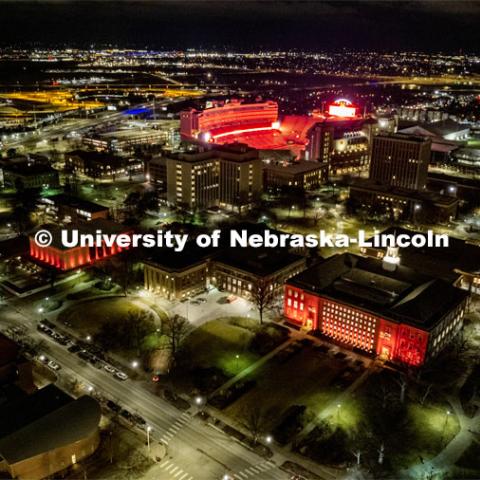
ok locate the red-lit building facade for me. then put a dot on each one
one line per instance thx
(220, 120)
(64, 258)
(392, 313)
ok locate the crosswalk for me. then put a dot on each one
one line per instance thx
(254, 471)
(175, 427)
(174, 471)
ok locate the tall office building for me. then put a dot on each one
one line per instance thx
(228, 176)
(400, 161)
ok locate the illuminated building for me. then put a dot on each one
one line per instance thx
(377, 306)
(101, 165)
(28, 173)
(306, 175)
(67, 208)
(228, 176)
(400, 161)
(397, 183)
(67, 258)
(177, 275)
(255, 124)
(401, 203)
(156, 172)
(234, 117)
(342, 139)
(46, 432)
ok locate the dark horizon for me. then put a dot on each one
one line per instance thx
(449, 27)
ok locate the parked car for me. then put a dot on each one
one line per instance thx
(53, 365)
(109, 368)
(121, 375)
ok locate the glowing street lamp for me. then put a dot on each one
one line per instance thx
(135, 364)
(148, 429)
(269, 439)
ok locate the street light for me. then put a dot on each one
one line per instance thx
(149, 429)
(269, 439)
(88, 338)
(339, 406)
(135, 364)
(447, 414)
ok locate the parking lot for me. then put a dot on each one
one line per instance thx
(214, 304)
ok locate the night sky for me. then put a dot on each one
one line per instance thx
(416, 25)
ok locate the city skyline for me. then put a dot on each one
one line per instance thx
(367, 25)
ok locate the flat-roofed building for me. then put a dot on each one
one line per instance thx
(228, 176)
(377, 306)
(100, 165)
(68, 208)
(57, 255)
(26, 173)
(177, 275)
(306, 175)
(239, 270)
(156, 172)
(400, 161)
(402, 203)
(458, 263)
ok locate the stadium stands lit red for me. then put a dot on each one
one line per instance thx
(255, 124)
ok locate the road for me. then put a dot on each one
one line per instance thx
(196, 451)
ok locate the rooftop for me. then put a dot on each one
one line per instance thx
(440, 261)
(30, 425)
(296, 168)
(402, 295)
(421, 196)
(74, 202)
(91, 227)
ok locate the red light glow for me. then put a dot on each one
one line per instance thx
(342, 108)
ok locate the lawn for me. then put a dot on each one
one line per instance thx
(88, 316)
(299, 375)
(223, 344)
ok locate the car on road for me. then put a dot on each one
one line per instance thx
(109, 368)
(53, 365)
(202, 300)
(84, 355)
(121, 375)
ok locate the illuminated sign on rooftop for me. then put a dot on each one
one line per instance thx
(342, 108)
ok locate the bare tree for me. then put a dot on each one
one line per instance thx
(358, 455)
(175, 329)
(402, 382)
(262, 296)
(425, 395)
(140, 324)
(255, 421)
(381, 454)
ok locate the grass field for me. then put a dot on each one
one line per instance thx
(223, 344)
